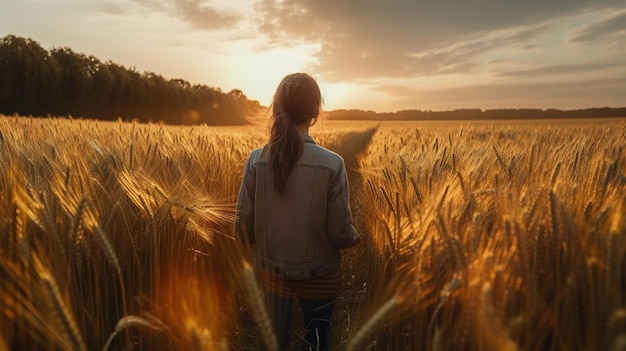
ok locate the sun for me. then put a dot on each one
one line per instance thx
(257, 72)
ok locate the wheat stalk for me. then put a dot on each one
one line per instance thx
(133, 321)
(258, 307)
(555, 174)
(372, 323)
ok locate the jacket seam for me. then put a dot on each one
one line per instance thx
(307, 165)
(308, 215)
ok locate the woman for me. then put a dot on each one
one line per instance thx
(293, 207)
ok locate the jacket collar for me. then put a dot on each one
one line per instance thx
(308, 139)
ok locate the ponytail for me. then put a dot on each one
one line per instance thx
(285, 150)
(297, 100)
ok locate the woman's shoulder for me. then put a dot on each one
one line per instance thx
(257, 154)
(318, 154)
(329, 153)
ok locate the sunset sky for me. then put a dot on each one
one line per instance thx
(366, 54)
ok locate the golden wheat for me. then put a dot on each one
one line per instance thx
(503, 228)
(357, 341)
(533, 219)
(258, 307)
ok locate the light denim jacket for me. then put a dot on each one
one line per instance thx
(297, 235)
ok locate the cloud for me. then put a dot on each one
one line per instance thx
(203, 16)
(112, 8)
(564, 69)
(369, 39)
(460, 57)
(612, 28)
(200, 14)
(512, 51)
(563, 95)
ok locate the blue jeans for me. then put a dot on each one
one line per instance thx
(317, 314)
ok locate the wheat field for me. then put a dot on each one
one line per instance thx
(476, 236)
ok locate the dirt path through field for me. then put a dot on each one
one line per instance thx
(353, 290)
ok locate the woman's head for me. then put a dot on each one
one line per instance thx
(297, 100)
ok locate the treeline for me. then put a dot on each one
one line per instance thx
(61, 82)
(477, 114)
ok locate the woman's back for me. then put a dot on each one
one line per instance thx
(299, 233)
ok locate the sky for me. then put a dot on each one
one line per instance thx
(374, 55)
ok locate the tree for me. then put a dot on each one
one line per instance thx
(27, 76)
(63, 82)
(75, 84)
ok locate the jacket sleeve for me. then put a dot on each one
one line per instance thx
(244, 221)
(339, 226)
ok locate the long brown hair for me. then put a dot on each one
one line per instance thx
(297, 100)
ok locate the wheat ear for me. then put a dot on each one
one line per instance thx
(67, 320)
(108, 249)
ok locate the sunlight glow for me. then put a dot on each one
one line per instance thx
(566, 58)
(259, 72)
